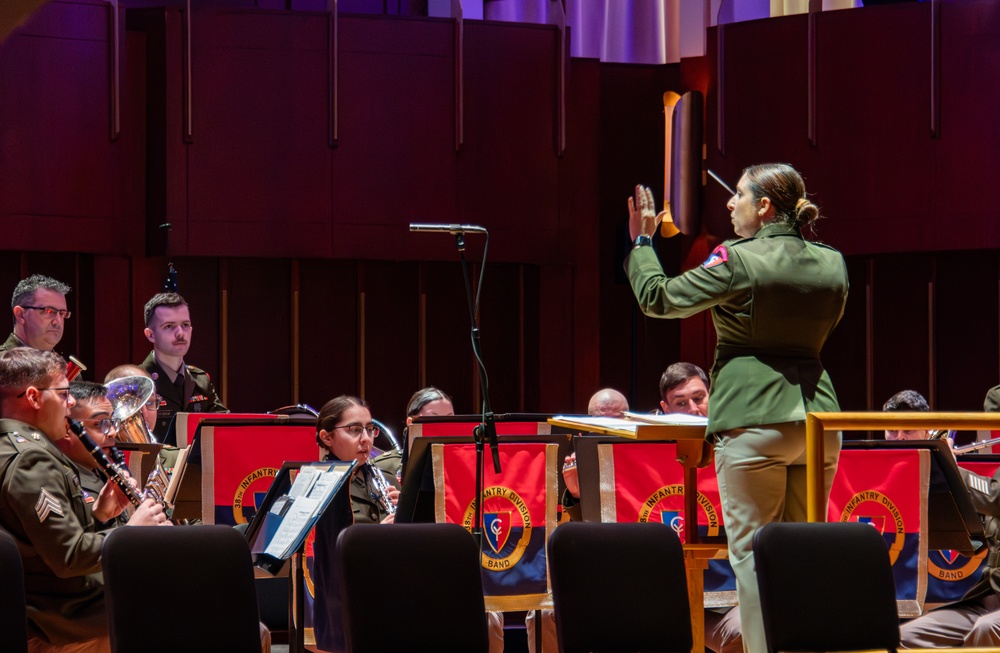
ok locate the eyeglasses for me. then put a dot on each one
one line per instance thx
(103, 425)
(62, 392)
(153, 403)
(356, 430)
(50, 312)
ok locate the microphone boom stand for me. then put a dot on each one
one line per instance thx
(486, 431)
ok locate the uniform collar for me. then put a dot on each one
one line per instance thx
(777, 229)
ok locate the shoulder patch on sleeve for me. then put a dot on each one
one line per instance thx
(718, 256)
(47, 505)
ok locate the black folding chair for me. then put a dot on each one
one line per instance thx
(619, 587)
(431, 573)
(825, 587)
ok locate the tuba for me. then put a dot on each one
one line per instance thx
(127, 396)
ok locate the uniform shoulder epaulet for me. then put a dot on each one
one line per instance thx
(824, 246)
(24, 440)
(196, 370)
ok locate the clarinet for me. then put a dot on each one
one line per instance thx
(381, 491)
(109, 470)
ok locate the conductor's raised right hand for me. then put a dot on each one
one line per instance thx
(149, 513)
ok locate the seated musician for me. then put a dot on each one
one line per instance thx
(909, 401)
(43, 509)
(423, 402)
(975, 620)
(345, 430)
(93, 410)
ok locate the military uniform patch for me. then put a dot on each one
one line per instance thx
(718, 256)
(47, 505)
(88, 497)
(979, 484)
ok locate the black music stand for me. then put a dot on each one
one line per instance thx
(952, 521)
(262, 528)
(416, 498)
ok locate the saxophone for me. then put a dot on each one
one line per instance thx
(381, 491)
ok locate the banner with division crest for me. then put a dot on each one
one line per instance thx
(888, 490)
(949, 573)
(519, 511)
(644, 482)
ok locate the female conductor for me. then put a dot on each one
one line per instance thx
(775, 298)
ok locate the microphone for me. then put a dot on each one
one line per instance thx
(453, 229)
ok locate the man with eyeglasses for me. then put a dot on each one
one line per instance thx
(42, 506)
(94, 411)
(181, 387)
(39, 307)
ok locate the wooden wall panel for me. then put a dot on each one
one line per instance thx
(389, 338)
(58, 166)
(966, 324)
(258, 334)
(508, 168)
(900, 325)
(502, 345)
(845, 353)
(395, 161)
(860, 153)
(259, 164)
(328, 334)
(447, 350)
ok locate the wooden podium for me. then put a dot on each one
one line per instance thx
(692, 452)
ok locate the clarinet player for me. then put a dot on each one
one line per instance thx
(43, 509)
(344, 429)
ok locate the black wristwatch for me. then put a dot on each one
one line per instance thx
(642, 239)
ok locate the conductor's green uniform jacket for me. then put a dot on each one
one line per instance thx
(767, 368)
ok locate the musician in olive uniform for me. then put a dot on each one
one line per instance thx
(39, 308)
(975, 620)
(181, 387)
(775, 297)
(345, 429)
(43, 508)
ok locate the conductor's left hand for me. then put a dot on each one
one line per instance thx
(642, 215)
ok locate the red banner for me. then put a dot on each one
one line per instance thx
(239, 462)
(949, 573)
(519, 510)
(888, 489)
(644, 482)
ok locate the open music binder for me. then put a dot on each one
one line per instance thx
(301, 491)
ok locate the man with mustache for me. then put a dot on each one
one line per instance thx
(181, 387)
(39, 307)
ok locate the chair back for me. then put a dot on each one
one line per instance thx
(619, 587)
(412, 587)
(13, 617)
(186, 588)
(825, 587)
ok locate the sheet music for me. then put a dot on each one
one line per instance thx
(619, 423)
(311, 490)
(671, 419)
